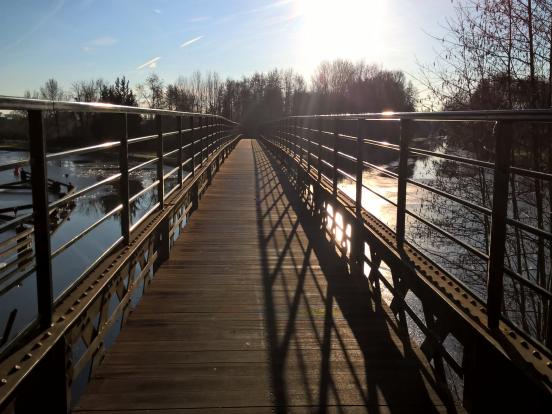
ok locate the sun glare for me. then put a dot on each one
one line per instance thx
(351, 29)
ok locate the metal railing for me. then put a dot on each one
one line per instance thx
(336, 149)
(29, 252)
(298, 132)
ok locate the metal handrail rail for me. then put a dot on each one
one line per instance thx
(15, 103)
(544, 115)
(203, 136)
(390, 247)
(308, 133)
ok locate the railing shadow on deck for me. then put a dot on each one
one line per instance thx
(347, 304)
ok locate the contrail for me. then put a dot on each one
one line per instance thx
(189, 42)
(150, 63)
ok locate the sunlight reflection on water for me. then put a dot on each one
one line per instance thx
(378, 202)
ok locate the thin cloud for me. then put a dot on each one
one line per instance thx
(189, 42)
(157, 11)
(152, 64)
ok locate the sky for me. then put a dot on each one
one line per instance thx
(72, 40)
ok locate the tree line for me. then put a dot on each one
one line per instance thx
(497, 54)
(338, 86)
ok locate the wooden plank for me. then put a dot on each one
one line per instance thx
(254, 312)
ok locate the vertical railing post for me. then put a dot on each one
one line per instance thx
(209, 136)
(223, 132)
(201, 137)
(503, 143)
(205, 132)
(195, 187)
(123, 182)
(164, 231)
(203, 125)
(180, 156)
(359, 169)
(219, 133)
(294, 137)
(213, 134)
(406, 134)
(290, 136)
(280, 132)
(41, 219)
(215, 146)
(274, 131)
(221, 137)
(335, 155)
(319, 147)
(216, 136)
(209, 148)
(300, 141)
(358, 242)
(309, 146)
(160, 173)
(192, 146)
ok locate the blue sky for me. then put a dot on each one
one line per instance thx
(83, 39)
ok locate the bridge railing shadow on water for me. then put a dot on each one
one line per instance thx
(330, 341)
(445, 216)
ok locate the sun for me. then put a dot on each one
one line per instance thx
(349, 29)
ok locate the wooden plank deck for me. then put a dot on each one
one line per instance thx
(254, 312)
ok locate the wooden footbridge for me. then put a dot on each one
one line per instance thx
(267, 288)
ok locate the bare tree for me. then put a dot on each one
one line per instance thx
(52, 91)
(497, 54)
(151, 91)
(87, 91)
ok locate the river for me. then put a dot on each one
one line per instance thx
(81, 171)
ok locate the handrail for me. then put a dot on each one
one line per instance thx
(178, 175)
(316, 160)
(15, 103)
(544, 115)
(195, 143)
(321, 136)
